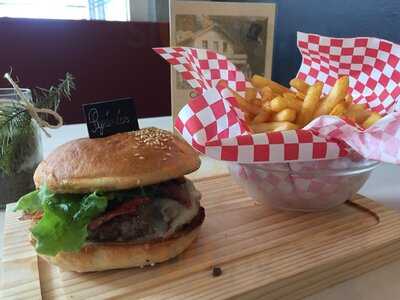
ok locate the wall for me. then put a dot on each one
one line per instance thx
(101, 54)
(341, 18)
(109, 60)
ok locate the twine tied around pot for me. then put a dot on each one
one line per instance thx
(34, 111)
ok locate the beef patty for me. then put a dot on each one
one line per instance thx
(151, 218)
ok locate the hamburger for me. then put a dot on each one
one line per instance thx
(115, 202)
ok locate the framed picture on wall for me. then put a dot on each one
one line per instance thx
(243, 32)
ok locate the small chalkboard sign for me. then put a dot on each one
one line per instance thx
(109, 117)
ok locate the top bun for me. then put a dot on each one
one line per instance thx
(121, 161)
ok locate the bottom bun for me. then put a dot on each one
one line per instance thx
(107, 256)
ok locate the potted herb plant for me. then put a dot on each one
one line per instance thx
(22, 115)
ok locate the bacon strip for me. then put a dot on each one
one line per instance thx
(177, 191)
(36, 216)
(126, 207)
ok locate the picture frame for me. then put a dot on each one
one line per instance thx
(243, 32)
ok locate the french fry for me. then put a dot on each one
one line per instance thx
(358, 107)
(371, 120)
(248, 117)
(289, 95)
(266, 94)
(267, 106)
(287, 126)
(273, 126)
(278, 103)
(310, 104)
(287, 114)
(337, 93)
(256, 101)
(280, 109)
(358, 113)
(262, 117)
(260, 82)
(300, 96)
(293, 102)
(348, 100)
(299, 85)
(339, 109)
(245, 106)
(248, 107)
(250, 94)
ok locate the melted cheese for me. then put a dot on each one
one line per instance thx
(185, 214)
(167, 215)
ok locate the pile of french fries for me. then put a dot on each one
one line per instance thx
(269, 106)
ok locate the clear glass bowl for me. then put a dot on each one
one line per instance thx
(20, 157)
(304, 186)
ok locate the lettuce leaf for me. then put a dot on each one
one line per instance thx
(29, 203)
(63, 226)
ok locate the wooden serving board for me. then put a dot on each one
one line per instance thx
(263, 254)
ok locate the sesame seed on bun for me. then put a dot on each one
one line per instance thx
(121, 161)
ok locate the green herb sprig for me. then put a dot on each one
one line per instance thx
(15, 121)
(51, 98)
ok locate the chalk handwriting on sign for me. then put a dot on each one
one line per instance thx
(110, 117)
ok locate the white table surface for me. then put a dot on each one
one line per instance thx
(383, 186)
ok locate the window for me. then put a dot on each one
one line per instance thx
(204, 44)
(215, 46)
(112, 10)
(67, 9)
(224, 47)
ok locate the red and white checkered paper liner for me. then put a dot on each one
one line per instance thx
(214, 125)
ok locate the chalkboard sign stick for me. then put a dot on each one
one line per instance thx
(109, 117)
